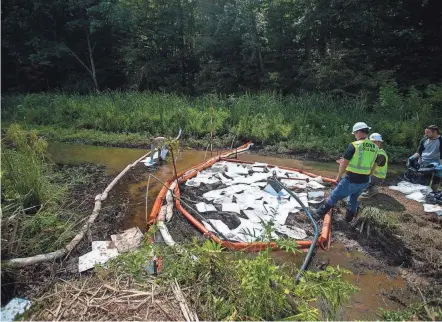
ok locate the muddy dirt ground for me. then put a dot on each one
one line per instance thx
(412, 250)
(34, 280)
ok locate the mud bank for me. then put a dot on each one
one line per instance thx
(32, 280)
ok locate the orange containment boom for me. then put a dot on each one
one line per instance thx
(324, 238)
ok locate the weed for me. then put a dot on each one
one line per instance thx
(25, 179)
(227, 285)
(416, 312)
(308, 122)
(372, 218)
(33, 195)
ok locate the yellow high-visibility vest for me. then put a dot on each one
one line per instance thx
(381, 172)
(363, 158)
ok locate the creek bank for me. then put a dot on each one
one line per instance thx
(287, 149)
(412, 248)
(393, 259)
(32, 280)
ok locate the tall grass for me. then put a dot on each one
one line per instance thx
(309, 122)
(24, 169)
(31, 201)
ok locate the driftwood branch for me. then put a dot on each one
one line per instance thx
(25, 261)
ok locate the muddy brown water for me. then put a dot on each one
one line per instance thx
(364, 305)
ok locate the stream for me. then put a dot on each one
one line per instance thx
(364, 305)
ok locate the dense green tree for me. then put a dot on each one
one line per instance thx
(196, 46)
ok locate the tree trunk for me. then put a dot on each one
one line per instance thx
(258, 50)
(91, 58)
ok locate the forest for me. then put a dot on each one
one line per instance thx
(193, 47)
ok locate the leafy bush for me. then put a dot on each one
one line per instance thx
(242, 286)
(415, 312)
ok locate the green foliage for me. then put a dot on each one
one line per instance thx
(256, 296)
(329, 286)
(45, 232)
(234, 286)
(24, 169)
(303, 123)
(238, 286)
(416, 312)
(131, 263)
(227, 46)
(34, 218)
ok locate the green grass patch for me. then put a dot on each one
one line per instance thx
(293, 124)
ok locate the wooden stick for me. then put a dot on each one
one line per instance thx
(188, 314)
(147, 196)
(425, 305)
(21, 262)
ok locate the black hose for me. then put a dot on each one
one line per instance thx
(314, 224)
(201, 218)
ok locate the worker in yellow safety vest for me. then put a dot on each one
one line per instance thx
(379, 171)
(357, 163)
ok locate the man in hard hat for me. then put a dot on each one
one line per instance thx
(358, 163)
(380, 168)
(430, 152)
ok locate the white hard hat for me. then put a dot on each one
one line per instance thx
(376, 137)
(359, 126)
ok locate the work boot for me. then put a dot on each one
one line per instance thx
(349, 215)
(370, 192)
(319, 213)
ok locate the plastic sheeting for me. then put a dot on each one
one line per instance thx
(433, 208)
(14, 307)
(417, 195)
(408, 188)
(204, 207)
(231, 207)
(417, 192)
(103, 251)
(150, 160)
(128, 240)
(96, 256)
(246, 193)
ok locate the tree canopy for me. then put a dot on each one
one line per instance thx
(225, 46)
